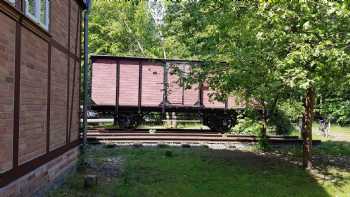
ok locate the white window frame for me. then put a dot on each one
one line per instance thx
(12, 1)
(37, 12)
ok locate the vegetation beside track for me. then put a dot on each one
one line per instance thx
(191, 172)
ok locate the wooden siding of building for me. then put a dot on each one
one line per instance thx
(39, 86)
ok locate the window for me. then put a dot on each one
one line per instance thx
(38, 10)
(12, 1)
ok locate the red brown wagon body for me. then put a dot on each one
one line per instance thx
(130, 87)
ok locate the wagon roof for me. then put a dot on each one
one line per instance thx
(110, 57)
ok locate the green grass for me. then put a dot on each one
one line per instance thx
(341, 133)
(333, 148)
(202, 172)
(338, 144)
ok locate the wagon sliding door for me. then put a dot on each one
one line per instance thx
(178, 95)
(141, 83)
(208, 100)
(152, 84)
(103, 90)
(129, 84)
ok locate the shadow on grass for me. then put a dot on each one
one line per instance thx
(331, 158)
(336, 148)
(331, 161)
(195, 172)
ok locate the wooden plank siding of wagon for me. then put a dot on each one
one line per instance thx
(129, 83)
(134, 85)
(117, 84)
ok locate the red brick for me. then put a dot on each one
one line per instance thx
(59, 26)
(7, 59)
(58, 117)
(34, 92)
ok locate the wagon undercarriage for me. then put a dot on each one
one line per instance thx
(131, 117)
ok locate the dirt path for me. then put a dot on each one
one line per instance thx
(335, 135)
(339, 136)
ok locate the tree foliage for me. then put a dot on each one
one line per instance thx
(128, 28)
(123, 28)
(232, 34)
(274, 49)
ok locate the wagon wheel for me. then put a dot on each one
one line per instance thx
(220, 122)
(129, 121)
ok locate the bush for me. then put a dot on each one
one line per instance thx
(281, 120)
(263, 143)
(291, 109)
(247, 125)
(280, 124)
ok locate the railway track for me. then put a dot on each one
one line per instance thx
(182, 137)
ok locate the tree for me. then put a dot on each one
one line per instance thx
(315, 37)
(123, 28)
(333, 104)
(131, 28)
(302, 46)
(230, 33)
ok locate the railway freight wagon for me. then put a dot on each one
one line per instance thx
(131, 87)
(39, 92)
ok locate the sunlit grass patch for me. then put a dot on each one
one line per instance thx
(202, 172)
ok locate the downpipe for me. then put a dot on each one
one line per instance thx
(86, 71)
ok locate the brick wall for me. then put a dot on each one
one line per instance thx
(58, 117)
(33, 97)
(43, 178)
(47, 101)
(75, 117)
(74, 27)
(59, 26)
(7, 80)
(73, 100)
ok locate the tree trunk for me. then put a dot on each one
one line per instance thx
(264, 128)
(309, 103)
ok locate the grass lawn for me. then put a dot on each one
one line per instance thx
(337, 133)
(200, 172)
(337, 144)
